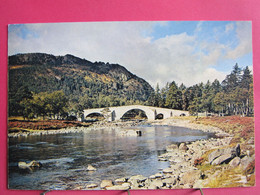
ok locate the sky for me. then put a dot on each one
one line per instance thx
(187, 52)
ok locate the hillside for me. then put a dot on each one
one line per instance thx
(85, 84)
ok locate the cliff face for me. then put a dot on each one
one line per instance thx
(75, 76)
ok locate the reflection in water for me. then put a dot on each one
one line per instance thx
(65, 157)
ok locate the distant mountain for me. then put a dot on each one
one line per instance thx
(77, 78)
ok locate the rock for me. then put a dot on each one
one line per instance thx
(237, 149)
(162, 159)
(106, 183)
(215, 154)
(172, 181)
(92, 185)
(151, 187)
(231, 151)
(91, 168)
(137, 178)
(152, 177)
(175, 160)
(183, 146)
(156, 184)
(117, 187)
(235, 162)
(171, 147)
(157, 175)
(33, 163)
(129, 132)
(121, 180)
(226, 158)
(168, 170)
(190, 177)
(176, 167)
(221, 135)
(137, 181)
(126, 184)
(246, 161)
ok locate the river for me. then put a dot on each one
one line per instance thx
(65, 157)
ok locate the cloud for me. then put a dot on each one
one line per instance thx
(244, 36)
(229, 27)
(180, 57)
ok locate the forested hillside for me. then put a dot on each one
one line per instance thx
(232, 96)
(48, 85)
(83, 84)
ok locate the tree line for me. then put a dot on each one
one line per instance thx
(233, 96)
(31, 105)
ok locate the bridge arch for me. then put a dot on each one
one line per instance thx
(120, 111)
(159, 116)
(95, 114)
(135, 112)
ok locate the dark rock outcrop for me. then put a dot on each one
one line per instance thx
(225, 155)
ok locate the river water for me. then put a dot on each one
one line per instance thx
(65, 157)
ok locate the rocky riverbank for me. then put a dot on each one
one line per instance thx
(200, 164)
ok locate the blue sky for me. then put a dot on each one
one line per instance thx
(184, 51)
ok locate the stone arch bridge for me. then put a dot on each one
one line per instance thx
(116, 113)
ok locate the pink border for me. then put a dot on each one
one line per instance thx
(37, 11)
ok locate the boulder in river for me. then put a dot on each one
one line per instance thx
(91, 168)
(31, 164)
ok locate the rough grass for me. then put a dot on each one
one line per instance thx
(31, 125)
(231, 178)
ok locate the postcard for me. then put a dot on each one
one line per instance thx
(130, 105)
